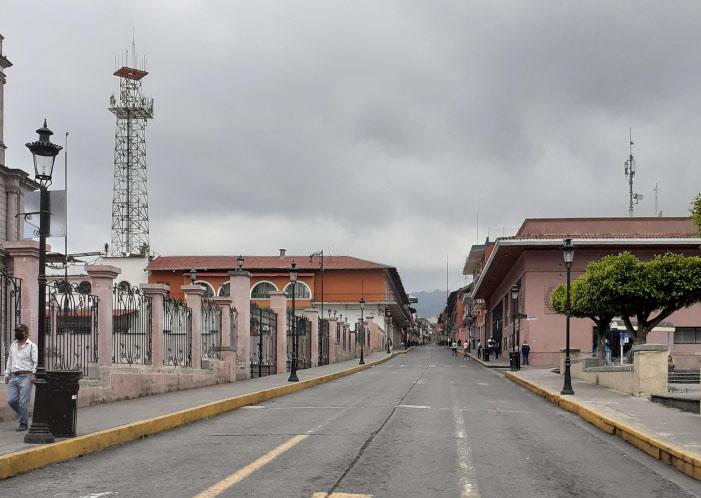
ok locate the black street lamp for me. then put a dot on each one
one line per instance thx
(388, 314)
(362, 327)
(44, 154)
(515, 339)
(239, 264)
(293, 366)
(320, 255)
(568, 255)
(193, 276)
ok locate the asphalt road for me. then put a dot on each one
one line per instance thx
(424, 424)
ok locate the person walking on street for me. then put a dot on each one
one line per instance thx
(454, 347)
(466, 350)
(479, 348)
(525, 349)
(19, 373)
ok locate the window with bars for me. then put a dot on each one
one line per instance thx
(687, 335)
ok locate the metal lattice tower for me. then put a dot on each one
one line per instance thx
(130, 227)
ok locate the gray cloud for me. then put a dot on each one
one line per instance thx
(364, 127)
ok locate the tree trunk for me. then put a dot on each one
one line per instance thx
(602, 326)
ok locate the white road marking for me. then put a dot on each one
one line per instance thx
(424, 407)
(98, 495)
(432, 366)
(252, 407)
(499, 410)
(422, 381)
(466, 469)
(482, 384)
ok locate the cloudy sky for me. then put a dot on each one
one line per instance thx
(369, 128)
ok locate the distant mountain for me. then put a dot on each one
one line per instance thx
(430, 303)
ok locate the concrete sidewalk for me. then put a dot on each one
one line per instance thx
(668, 434)
(92, 419)
(501, 362)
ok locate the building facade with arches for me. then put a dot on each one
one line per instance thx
(345, 280)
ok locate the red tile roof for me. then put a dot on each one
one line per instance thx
(557, 236)
(261, 263)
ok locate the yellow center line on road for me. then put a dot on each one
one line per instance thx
(249, 469)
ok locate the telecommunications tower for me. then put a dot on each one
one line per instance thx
(630, 174)
(130, 232)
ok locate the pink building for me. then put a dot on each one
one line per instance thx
(532, 259)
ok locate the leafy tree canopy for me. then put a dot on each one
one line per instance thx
(622, 285)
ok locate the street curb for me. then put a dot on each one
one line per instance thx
(12, 464)
(487, 365)
(682, 460)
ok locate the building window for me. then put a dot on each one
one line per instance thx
(687, 335)
(208, 289)
(225, 290)
(302, 290)
(262, 290)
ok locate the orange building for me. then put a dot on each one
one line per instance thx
(345, 280)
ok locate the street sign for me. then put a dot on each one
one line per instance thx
(57, 218)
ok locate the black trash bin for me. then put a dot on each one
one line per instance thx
(514, 360)
(62, 401)
(485, 354)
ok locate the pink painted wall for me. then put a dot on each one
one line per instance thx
(542, 270)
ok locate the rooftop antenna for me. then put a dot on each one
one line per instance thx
(630, 174)
(658, 212)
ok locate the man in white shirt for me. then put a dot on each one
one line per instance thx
(19, 373)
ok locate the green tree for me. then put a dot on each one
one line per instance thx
(622, 285)
(587, 301)
(696, 212)
(656, 289)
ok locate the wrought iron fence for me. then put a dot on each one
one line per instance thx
(323, 342)
(211, 329)
(131, 326)
(177, 333)
(71, 328)
(10, 305)
(263, 341)
(304, 339)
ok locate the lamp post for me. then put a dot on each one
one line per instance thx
(239, 264)
(568, 255)
(293, 366)
(320, 255)
(388, 314)
(362, 327)
(515, 355)
(193, 276)
(44, 154)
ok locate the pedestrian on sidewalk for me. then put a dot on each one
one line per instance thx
(479, 348)
(454, 347)
(466, 350)
(19, 373)
(525, 349)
